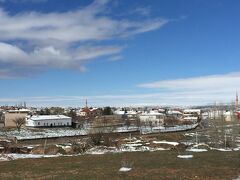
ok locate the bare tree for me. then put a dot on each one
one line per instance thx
(128, 123)
(138, 122)
(151, 125)
(105, 121)
(19, 122)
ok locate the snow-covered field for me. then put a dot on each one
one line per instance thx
(28, 133)
(38, 133)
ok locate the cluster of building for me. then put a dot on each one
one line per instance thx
(159, 116)
(9, 115)
(154, 116)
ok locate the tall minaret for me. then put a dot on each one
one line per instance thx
(236, 105)
(86, 104)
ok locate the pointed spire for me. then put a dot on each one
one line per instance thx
(86, 104)
(236, 105)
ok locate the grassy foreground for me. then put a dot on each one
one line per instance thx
(146, 165)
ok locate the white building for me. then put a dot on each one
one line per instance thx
(192, 115)
(191, 119)
(175, 113)
(228, 115)
(215, 114)
(48, 121)
(119, 112)
(132, 114)
(194, 112)
(153, 117)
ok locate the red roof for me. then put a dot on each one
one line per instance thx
(86, 110)
(238, 115)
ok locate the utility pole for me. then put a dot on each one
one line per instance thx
(45, 143)
(196, 137)
(225, 140)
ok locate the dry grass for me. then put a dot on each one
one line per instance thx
(148, 165)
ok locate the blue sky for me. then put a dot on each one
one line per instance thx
(119, 52)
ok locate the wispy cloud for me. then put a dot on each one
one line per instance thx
(16, 61)
(199, 90)
(115, 58)
(39, 41)
(218, 82)
(144, 11)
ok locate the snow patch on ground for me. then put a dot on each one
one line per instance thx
(222, 149)
(104, 150)
(166, 142)
(4, 159)
(159, 149)
(132, 145)
(238, 178)
(196, 150)
(13, 156)
(190, 134)
(200, 144)
(126, 129)
(237, 149)
(185, 156)
(187, 143)
(125, 169)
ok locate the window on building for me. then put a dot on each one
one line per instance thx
(38, 123)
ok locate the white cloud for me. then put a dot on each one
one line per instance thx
(50, 57)
(145, 11)
(199, 90)
(34, 41)
(217, 82)
(82, 25)
(115, 58)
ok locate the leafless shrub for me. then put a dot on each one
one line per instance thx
(126, 163)
(96, 138)
(19, 122)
